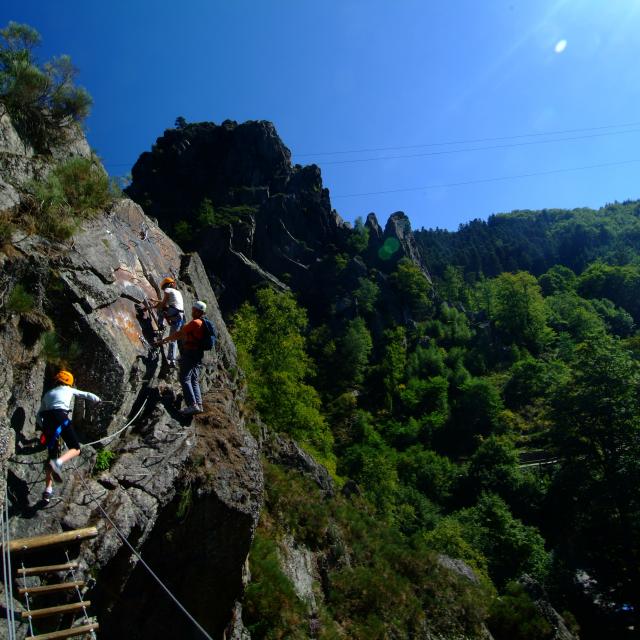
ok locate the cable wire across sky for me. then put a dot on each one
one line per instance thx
(492, 179)
(625, 129)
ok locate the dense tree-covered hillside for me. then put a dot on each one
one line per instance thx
(436, 417)
(535, 240)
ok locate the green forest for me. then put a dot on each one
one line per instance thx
(498, 423)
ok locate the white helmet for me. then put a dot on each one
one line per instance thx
(200, 306)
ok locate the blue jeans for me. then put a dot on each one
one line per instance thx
(175, 320)
(190, 362)
(175, 324)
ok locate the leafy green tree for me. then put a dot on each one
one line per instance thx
(518, 310)
(456, 329)
(531, 379)
(618, 321)
(571, 314)
(493, 468)
(514, 616)
(393, 362)
(354, 349)
(558, 279)
(183, 232)
(271, 350)
(366, 294)
(452, 286)
(475, 414)
(413, 287)
(205, 214)
(432, 474)
(510, 547)
(427, 361)
(359, 236)
(41, 99)
(620, 284)
(596, 494)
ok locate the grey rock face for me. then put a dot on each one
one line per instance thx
(399, 227)
(187, 493)
(281, 449)
(299, 565)
(541, 600)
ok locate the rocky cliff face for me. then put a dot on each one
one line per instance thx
(186, 493)
(273, 222)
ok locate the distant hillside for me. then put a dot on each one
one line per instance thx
(535, 240)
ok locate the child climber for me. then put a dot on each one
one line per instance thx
(54, 420)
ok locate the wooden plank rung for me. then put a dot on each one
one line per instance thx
(66, 633)
(37, 542)
(52, 611)
(50, 588)
(52, 568)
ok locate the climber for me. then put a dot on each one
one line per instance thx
(192, 336)
(53, 418)
(172, 310)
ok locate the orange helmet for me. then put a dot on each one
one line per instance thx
(166, 282)
(65, 377)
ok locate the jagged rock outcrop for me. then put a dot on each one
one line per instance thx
(396, 242)
(271, 219)
(186, 493)
(269, 222)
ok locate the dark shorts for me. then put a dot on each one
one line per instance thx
(51, 420)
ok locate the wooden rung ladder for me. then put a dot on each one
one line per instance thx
(23, 545)
(66, 633)
(50, 588)
(53, 611)
(52, 568)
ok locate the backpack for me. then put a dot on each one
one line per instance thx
(209, 335)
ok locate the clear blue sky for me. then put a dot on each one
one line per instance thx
(344, 75)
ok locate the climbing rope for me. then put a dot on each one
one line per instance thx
(80, 598)
(142, 562)
(28, 605)
(6, 568)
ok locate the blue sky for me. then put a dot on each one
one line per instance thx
(346, 75)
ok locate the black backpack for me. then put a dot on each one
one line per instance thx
(210, 335)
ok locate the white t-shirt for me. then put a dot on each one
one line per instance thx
(61, 397)
(173, 298)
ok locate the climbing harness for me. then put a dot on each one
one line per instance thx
(51, 440)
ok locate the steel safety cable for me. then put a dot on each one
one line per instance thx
(142, 561)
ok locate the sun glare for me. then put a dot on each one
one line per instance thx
(561, 45)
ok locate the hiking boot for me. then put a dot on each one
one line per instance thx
(46, 496)
(190, 410)
(56, 470)
(200, 409)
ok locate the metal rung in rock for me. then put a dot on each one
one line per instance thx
(66, 633)
(50, 588)
(52, 568)
(52, 611)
